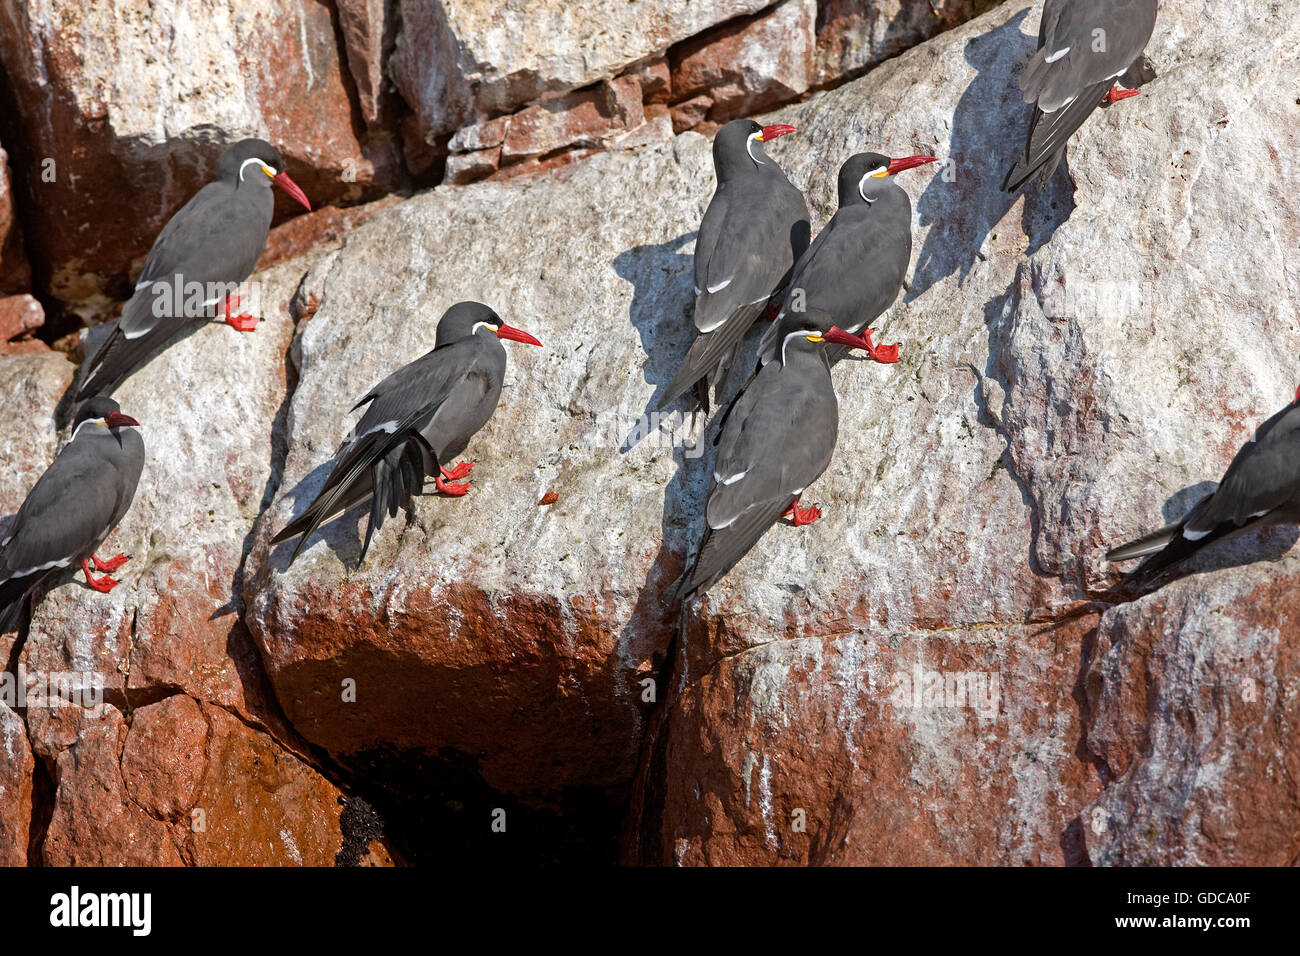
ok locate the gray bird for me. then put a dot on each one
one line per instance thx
(196, 263)
(1261, 487)
(1084, 46)
(421, 416)
(754, 230)
(778, 439)
(72, 507)
(854, 270)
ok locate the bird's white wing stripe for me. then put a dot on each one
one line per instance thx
(44, 567)
(1056, 56)
(730, 481)
(1191, 535)
(390, 427)
(720, 286)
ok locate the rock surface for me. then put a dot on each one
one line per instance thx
(188, 723)
(1049, 399)
(15, 274)
(520, 646)
(456, 63)
(935, 672)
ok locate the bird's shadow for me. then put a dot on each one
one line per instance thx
(661, 309)
(964, 201)
(339, 533)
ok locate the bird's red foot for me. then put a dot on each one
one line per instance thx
(460, 471)
(801, 516)
(111, 565)
(1115, 94)
(449, 488)
(242, 322)
(884, 354)
(102, 585)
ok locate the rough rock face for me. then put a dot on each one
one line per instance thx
(751, 65)
(1048, 401)
(1196, 721)
(15, 788)
(521, 646)
(937, 671)
(458, 62)
(853, 36)
(125, 108)
(15, 275)
(188, 725)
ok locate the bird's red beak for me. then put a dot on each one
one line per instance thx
(896, 166)
(1296, 400)
(288, 185)
(117, 420)
(515, 335)
(839, 337)
(772, 132)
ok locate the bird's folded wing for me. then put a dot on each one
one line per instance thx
(66, 513)
(1263, 476)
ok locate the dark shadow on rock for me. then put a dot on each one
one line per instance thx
(1181, 502)
(964, 201)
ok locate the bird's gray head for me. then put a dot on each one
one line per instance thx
(474, 318)
(738, 147)
(801, 333)
(865, 177)
(101, 412)
(255, 163)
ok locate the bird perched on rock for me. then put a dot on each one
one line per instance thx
(72, 507)
(778, 439)
(1084, 46)
(854, 270)
(1261, 487)
(755, 228)
(196, 263)
(421, 416)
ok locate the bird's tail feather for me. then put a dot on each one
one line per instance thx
(1147, 544)
(398, 477)
(13, 597)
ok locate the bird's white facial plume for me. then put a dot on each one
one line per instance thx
(243, 167)
(749, 146)
(880, 172)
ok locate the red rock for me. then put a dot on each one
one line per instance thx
(118, 105)
(1192, 711)
(579, 119)
(815, 748)
(302, 234)
(15, 275)
(19, 314)
(467, 167)
(16, 766)
(186, 783)
(655, 77)
(480, 136)
(95, 822)
(749, 65)
(853, 36)
(692, 112)
(368, 35)
(623, 101)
